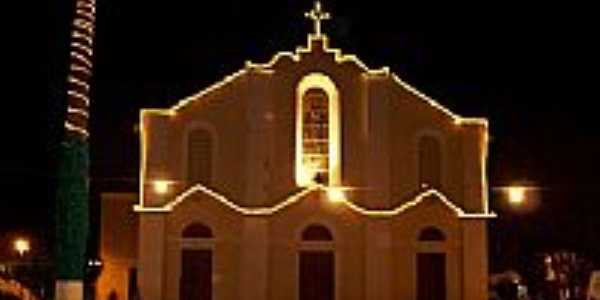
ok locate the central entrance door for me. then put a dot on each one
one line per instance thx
(431, 276)
(317, 275)
(196, 275)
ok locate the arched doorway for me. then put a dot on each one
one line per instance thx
(431, 267)
(195, 281)
(316, 274)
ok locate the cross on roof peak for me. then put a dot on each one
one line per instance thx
(317, 15)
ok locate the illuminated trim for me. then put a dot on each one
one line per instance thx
(317, 16)
(321, 81)
(339, 58)
(77, 129)
(263, 211)
(143, 158)
(484, 179)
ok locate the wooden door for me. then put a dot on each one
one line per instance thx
(196, 275)
(431, 276)
(317, 275)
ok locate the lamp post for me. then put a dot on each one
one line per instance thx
(22, 246)
(513, 201)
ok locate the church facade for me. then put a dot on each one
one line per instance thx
(310, 176)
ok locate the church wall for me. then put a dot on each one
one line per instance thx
(223, 113)
(414, 118)
(253, 122)
(349, 82)
(118, 243)
(474, 144)
(285, 230)
(227, 229)
(405, 245)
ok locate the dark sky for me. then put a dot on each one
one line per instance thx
(526, 67)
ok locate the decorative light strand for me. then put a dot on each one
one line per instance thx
(77, 129)
(339, 58)
(80, 83)
(78, 35)
(83, 48)
(82, 97)
(80, 67)
(78, 111)
(262, 211)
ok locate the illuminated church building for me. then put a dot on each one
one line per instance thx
(309, 177)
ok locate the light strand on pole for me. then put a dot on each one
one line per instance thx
(80, 69)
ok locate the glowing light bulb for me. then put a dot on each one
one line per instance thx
(516, 194)
(336, 195)
(161, 186)
(22, 246)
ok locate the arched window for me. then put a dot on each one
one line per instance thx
(318, 131)
(316, 233)
(430, 162)
(315, 134)
(431, 234)
(197, 230)
(200, 156)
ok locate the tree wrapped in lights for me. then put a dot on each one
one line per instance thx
(73, 173)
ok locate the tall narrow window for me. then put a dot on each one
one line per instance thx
(318, 131)
(200, 154)
(315, 135)
(430, 162)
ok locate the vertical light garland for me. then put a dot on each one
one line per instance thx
(80, 69)
(72, 198)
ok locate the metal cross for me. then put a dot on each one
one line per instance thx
(317, 15)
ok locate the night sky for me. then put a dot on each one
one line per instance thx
(526, 67)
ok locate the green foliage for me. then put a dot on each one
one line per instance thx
(72, 209)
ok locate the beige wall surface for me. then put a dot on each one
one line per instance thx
(118, 243)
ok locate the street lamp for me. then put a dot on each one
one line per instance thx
(22, 246)
(516, 194)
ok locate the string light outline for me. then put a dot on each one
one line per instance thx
(339, 58)
(263, 211)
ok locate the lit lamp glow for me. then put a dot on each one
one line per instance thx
(516, 194)
(161, 186)
(21, 246)
(336, 195)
